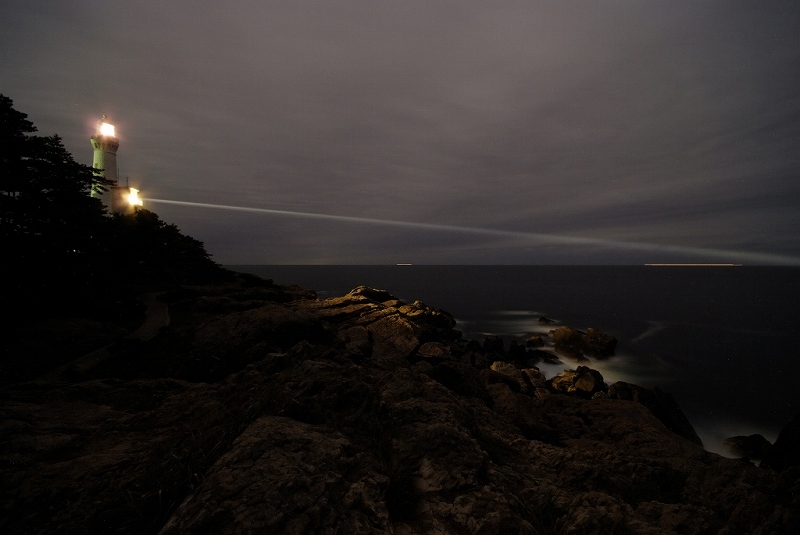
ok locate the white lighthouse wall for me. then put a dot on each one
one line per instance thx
(105, 161)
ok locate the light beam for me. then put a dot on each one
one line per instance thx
(536, 237)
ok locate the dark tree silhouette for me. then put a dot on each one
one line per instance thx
(59, 244)
(147, 247)
(51, 229)
(67, 260)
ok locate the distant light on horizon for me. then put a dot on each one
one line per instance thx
(535, 237)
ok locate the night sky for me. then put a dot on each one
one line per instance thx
(637, 131)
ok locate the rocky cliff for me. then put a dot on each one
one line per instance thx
(262, 409)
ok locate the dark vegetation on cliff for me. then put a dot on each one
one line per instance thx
(262, 409)
(67, 263)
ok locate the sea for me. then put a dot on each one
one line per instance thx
(723, 340)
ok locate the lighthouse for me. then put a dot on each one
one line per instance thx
(118, 199)
(105, 145)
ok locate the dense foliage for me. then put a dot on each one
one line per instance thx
(59, 244)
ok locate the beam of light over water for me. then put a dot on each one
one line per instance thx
(533, 237)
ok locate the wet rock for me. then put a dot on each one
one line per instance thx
(582, 381)
(660, 403)
(494, 344)
(535, 341)
(570, 353)
(573, 342)
(753, 446)
(567, 336)
(537, 355)
(516, 351)
(599, 343)
(785, 453)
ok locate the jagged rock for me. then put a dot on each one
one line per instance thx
(396, 334)
(523, 412)
(535, 377)
(753, 447)
(230, 341)
(785, 453)
(380, 296)
(660, 403)
(462, 379)
(570, 353)
(567, 336)
(516, 351)
(358, 343)
(511, 371)
(272, 323)
(582, 381)
(493, 377)
(494, 344)
(537, 355)
(535, 341)
(326, 481)
(421, 313)
(342, 433)
(598, 343)
(572, 342)
(436, 351)
(545, 320)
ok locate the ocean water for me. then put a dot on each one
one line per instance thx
(725, 341)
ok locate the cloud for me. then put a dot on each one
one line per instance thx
(615, 119)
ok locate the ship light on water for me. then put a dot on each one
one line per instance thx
(133, 197)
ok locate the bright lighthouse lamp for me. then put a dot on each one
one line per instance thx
(133, 197)
(106, 130)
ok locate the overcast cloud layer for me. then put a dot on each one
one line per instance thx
(655, 123)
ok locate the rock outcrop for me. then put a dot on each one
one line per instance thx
(380, 420)
(785, 453)
(660, 403)
(574, 343)
(750, 447)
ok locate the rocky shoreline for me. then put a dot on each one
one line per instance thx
(262, 409)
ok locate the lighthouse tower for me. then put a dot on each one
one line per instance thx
(105, 145)
(118, 199)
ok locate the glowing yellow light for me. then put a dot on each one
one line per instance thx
(107, 129)
(134, 199)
